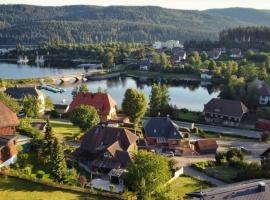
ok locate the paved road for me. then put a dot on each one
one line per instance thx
(223, 130)
(194, 173)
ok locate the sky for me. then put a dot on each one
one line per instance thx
(176, 4)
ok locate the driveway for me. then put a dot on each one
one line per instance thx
(223, 130)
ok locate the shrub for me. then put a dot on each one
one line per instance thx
(234, 153)
(220, 157)
(112, 188)
(202, 166)
(27, 170)
(40, 174)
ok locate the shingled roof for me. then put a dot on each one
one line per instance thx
(264, 91)
(7, 117)
(102, 102)
(250, 190)
(232, 108)
(161, 127)
(21, 92)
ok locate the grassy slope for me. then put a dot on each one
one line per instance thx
(185, 184)
(16, 189)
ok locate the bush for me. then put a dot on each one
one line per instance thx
(202, 166)
(232, 153)
(220, 157)
(40, 174)
(27, 170)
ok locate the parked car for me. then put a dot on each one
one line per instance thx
(168, 154)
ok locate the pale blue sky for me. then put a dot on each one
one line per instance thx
(177, 4)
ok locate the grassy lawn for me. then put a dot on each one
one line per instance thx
(225, 173)
(65, 130)
(17, 189)
(185, 184)
(151, 74)
(267, 80)
(188, 116)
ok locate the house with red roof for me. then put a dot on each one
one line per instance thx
(8, 123)
(102, 102)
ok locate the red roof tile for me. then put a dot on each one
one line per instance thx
(7, 117)
(102, 102)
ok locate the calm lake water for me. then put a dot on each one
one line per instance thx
(16, 71)
(190, 96)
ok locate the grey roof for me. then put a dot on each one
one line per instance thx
(226, 107)
(20, 92)
(161, 127)
(249, 190)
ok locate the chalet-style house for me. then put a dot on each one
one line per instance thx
(102, 102)
(223, 111)
(264, 93)
(162, 132)
(19, 93)
(235, 53)
(248, 190)
(203, 146)
(8, 123)
(106, 148)
(214, 53)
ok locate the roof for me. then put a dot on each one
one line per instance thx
(250, 190)
(264, 90)
(102, 102)
(7, 117)
(161, 127)
(206, 144)
(232, 108)
(5, 139)
(114, 140)
(249, 118)
(20, 92)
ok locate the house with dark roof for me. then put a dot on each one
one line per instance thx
(102, 102)
(8, 150)
(249, 190)
(264, 93)
(203, 146)
(235, 53)
(8, 120)
(214, 53)
(106, 148)
(223, 111)
(19, 93)
(162, 132)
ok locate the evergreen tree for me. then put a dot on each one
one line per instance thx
(48, 142)
(59, 166)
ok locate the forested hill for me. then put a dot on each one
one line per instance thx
(34, 24)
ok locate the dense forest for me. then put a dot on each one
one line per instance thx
(35, 24)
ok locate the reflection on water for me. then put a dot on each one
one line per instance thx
(17, 71)
(183, 95)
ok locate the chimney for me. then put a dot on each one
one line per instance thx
(262, 186)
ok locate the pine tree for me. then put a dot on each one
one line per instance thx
(59, 166)
(47, 146)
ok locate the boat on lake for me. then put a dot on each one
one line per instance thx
(39, 60)
(22, 60)
(52, 88)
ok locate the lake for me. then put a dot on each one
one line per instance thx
(192, 97)
(16, 71)
(183, 95)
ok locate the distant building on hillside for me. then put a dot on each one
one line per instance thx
(168, 44)
(264, 93)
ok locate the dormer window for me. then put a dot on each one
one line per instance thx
(155, 130)
(217, 110)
